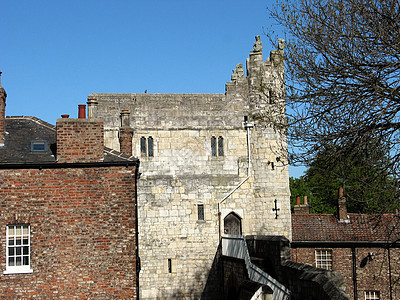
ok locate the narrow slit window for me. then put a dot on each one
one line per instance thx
(143, 146)
(150, 146)
(169, 265)
(200, 212)
(213, 146)
(270, 99)
(220, 146)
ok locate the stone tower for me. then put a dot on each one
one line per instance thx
(211, 164)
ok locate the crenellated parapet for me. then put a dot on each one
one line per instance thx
(262, 84)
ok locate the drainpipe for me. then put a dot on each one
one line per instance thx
(353, 255)
(246, 125)
(390, 276)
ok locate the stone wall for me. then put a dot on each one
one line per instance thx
(176, 246)
(82, 223)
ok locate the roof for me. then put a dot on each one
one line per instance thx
(21, 131)
(358, 228)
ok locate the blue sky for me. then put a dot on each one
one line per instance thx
(53, 54)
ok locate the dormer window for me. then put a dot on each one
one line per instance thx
(38, 146)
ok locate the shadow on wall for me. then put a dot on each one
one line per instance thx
(214, 284)
(194, 292)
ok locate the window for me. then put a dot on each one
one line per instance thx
(38, 146)
(220, 146)
(169, 265)
(372, 295)
(213, 146)
(270, 97)
(146, 146)
(200, 212)
(18, 249)
(217, 149)
(323, 259)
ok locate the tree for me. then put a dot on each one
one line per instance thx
(342, 77)
(368, 187)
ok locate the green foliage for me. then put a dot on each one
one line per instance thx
(367, 185)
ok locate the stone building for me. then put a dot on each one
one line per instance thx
(68, 211)
(213, 165)
(363, 248)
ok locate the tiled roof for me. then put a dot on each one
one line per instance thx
(21, 130)
(358, 228)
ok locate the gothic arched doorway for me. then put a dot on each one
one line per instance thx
(233, 224)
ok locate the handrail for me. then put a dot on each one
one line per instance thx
(236, 246)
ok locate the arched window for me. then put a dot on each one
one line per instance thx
(233, 224)
(217, 149)
(213, 146)
(220, 146)
(146, 146)
(143, 148)
(150, 146)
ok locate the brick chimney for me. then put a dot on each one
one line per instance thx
(125, 134)
(342, 207)
(80, 140)
(301, 209)
(3, 96)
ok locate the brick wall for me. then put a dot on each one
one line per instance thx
(372, 275)
(80, 140)
(125, 140)
(82, 232)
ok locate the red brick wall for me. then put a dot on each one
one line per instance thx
(372, 275)
(125, 140)
(82, 232)
(80, 140)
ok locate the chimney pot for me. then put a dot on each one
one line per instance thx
(340, 192)
(342, 206)
(305, 200)
(298, 201)
(82, 111)
(65, 116)
(125, 118)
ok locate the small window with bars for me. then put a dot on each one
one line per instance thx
(18, 249)
(200, 212)
(323, 258)
(217, 146)
(372, 295)
(147, 146)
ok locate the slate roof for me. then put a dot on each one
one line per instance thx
(22, 130)
(360, 228)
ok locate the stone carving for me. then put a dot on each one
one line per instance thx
(277, 55)
(234, 76)
(281, 44)
(257, 44)
(238, 72)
